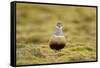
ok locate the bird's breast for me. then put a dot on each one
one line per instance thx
(57, 40)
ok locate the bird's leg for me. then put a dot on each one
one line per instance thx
(55, 51)
(60, 50)
(55, 54)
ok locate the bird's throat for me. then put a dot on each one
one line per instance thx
(59, 32)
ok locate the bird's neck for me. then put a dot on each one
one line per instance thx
(59, 32)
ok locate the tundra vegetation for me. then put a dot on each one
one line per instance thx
(35, 24)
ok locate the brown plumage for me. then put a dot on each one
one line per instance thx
(57, 40)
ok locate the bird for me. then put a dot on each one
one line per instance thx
(57, 41)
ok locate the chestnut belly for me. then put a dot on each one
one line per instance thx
(57, 46)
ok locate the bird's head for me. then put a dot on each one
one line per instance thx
(59, 25)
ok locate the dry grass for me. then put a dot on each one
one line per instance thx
(36, 23)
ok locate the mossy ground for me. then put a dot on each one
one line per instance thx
(36, 23)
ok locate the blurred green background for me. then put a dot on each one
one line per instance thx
(35, 24)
